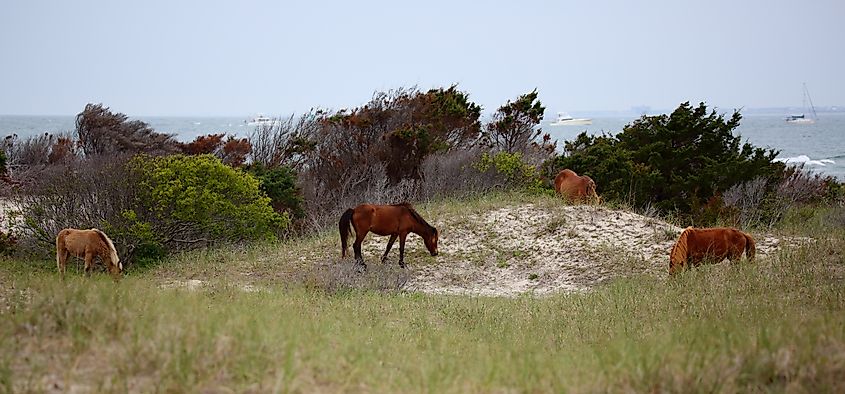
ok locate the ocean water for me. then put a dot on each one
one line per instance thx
(820, 146)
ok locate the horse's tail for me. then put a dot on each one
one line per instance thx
(112, 251)
(344, 226)
(750, 247)
(678, 256)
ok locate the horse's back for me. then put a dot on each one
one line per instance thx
(77, 241)
(719, 242)
(569, 184)
(383, 219)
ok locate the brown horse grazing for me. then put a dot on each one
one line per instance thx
(576, 188)
(87, 244)
(394, 220)
(714, 244)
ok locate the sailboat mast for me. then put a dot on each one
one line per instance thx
(810, 99)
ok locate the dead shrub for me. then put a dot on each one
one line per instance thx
(80, 194)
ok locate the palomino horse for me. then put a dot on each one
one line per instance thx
(87, 244)
(394, 220)
(576, 188)
(713, 244)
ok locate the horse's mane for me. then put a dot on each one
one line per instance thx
(416, 215)
(680, 250)
(112, 250)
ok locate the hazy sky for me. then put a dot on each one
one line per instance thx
(242, 57)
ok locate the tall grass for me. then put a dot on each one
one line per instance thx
(775, 325)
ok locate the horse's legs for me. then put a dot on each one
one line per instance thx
(61, 260)
(402, 249)
(89, 262)
(359, 258)
(389, 245)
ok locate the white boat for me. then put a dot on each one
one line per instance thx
(564, 119)
(261, 120)
(800, 118)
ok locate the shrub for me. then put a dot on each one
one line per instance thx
(516, 172)
(78, 194)
(192, 200)
(285, 142)
(677, 162)
(233, 151)
(101, 131)
(279, 184)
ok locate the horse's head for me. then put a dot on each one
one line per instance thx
(431, 241)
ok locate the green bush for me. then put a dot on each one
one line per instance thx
(197, 199)
(517, 173)
(279, 183)
(680, 162)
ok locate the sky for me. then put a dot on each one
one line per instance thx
(226, 58)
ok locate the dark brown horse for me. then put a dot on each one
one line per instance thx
(393, 220)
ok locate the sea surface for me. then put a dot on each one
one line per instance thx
(820, 146)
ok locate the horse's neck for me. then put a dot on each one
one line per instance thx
(420, 229)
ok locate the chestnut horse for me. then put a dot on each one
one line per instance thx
(714, 244)
(576, 188)
(394, 220)
(87, 244)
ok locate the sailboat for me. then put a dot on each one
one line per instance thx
(800, 118)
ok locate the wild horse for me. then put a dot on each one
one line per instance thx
(394, 220)
(87, 244)
(696, 245)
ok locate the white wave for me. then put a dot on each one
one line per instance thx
(805, 160)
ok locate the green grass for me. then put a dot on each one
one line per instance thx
(775, 325)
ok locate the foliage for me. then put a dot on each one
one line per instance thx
(396, 130)
(516, 171)
(677, 162)
(101, 131)
(514, 126)
(279, 184)
(63, 150)
(233, 151)
(198, 199)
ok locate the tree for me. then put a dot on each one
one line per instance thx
(514, 126)
(102, 132)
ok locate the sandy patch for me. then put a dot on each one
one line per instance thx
(540, 250)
